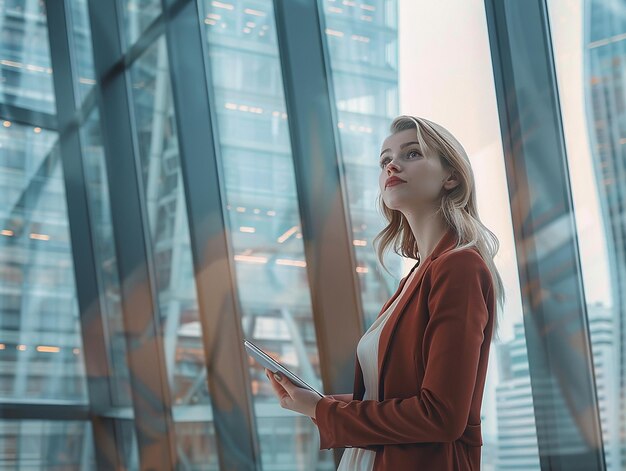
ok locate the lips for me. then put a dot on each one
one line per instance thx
(391, 181)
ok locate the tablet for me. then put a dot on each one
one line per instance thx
(268, 362)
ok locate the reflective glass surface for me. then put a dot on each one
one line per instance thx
(137, 16)
(362, 43)
(81, 48)
(25, 69)
(104, 251)
(263, 215)
(37, 445)
(40, 344)
(386, 57)
(589, 54)
(164, 199)
(196, 445)
(433, 79)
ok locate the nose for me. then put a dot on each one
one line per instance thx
(389, 165)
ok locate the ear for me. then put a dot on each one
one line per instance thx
(451, 181)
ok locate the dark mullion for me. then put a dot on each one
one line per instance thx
(49, 410)
(28, 117)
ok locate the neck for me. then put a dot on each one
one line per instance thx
(428, 229)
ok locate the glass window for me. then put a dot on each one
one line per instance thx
(25, 70)
(138, 15)
(126, 441)
(40, 343)
(263, 214)
(436, 87)
(590, 60)
(104, 252)
(36, 445)
(169, 233)
(402, 71)
(362, 39)
(196, 445)
(81, 48)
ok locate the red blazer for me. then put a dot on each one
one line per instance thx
(432, 363)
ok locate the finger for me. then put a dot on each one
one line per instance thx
(276, 386)
(285, 383)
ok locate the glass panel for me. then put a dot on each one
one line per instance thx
(126, 440)
(138, 15)
(459, 62)
(362, 42)
(40, 344)
(196, 445)
(25, 70)
(82, 56)
(169, 231)
(105, 258)
(262, 207)
(590, 58)
(402, 71)
(35, 445)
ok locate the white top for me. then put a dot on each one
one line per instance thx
(360, 459)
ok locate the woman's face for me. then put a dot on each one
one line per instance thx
(423, 176)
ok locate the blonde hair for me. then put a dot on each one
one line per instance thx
(458, 206)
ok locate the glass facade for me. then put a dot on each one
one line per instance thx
(104, 250)
(68, 403)
(26, 79)
(262, 209)
(507, 415)
(39, 322)
(365, 83)
(40, 444)
(590, 63)
(137, 17)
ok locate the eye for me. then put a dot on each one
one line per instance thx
(414, 152)
(383, 162)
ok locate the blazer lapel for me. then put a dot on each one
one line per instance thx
(448, 241)
(359, 382)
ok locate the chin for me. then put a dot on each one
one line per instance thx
(395, 205)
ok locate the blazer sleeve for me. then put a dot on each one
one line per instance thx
(451, 351)
(334, 396)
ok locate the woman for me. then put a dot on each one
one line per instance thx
(421, 366)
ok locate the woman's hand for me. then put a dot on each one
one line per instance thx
(291, 396)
